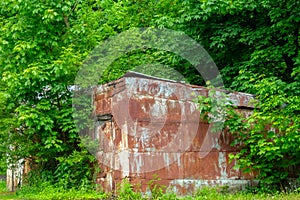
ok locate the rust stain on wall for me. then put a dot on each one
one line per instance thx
(155, 129)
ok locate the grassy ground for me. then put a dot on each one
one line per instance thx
(4, 194)
(50, 192)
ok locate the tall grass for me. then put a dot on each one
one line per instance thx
(48, 191)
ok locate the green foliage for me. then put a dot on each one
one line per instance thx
(3, 165)
(44, 43)
(39, 58)
(72, 179)
(213, 108)
(126, 192)
(46, 190)
(49, 191)
(268, 139)
(271, 134)
(157, 190)
(256, 45)
(3, 186)
(42, 46)
(153, 62)
(206, 193)
(75, 171)
(259, 37)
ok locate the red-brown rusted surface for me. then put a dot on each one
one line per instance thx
(155, 129)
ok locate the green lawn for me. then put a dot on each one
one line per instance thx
(208, 193)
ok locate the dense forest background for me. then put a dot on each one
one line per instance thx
(255, 45)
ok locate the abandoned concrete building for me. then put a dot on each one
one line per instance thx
(150, 126)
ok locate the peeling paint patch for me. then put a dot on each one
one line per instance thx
(180, 186)
(222, 166)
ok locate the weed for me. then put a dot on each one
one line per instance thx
(126, 192)
(157, 190)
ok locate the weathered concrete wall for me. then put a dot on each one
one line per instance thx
(155, 129)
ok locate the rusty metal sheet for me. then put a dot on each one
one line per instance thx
(156, 129)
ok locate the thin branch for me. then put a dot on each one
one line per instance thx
(66, 19)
